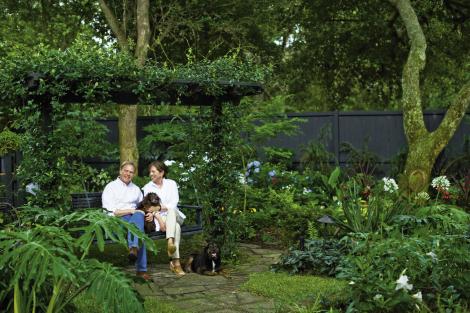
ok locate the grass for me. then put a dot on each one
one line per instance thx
(151, 305)
(117, 254)
(299, 293)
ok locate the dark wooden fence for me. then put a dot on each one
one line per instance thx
(382, 132)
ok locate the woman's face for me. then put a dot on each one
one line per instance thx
(156, 175)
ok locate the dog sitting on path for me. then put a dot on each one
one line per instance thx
(205, 263)
(150, 200)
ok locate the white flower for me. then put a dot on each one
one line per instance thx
(440, 182)
(378, 297)
(423, 195)
(192, 169)
(418, 296)
(241, 179)
(390, 185)
(307, 191)
(191, 154)
(432, 255)
(181, 165)
(352, 283)
(402, 283)
(206, 159)
(169, 162)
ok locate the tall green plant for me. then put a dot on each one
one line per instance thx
(45, 262)
(368, 210)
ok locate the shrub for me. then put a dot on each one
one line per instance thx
(437, 268)
(320, 257)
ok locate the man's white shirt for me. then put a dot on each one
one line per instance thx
(117, 195)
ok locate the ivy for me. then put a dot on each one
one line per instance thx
(93, 72)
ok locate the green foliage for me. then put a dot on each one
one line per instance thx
(434, 264)
(362, 161)
(366, 209)
(9, 141)
(315, 156)
(45, 265)
(54, 159)
(92, 72)
(320, 257)
(288, 290)
(281, 156)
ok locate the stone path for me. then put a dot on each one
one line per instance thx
(199, 293)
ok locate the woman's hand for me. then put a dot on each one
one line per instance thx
(149, 217)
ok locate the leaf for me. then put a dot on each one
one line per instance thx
(111, 288)
(333, 179)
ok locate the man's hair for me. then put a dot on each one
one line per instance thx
(127, 163)
(160, 166)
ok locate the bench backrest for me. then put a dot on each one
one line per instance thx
(93, 200)
(86, 200)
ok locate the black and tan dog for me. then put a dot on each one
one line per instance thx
(205, 263)
(150, 200)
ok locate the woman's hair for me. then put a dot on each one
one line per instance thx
(160, 166)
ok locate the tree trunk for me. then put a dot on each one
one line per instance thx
(127, 125)
(128, 148)
(423, 146)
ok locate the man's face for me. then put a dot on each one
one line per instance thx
(127, 173)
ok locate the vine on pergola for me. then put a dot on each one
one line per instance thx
(41, 88)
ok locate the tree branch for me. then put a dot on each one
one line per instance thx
(412, 111)
(454, 115)
(114, 24)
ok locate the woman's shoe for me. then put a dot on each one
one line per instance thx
(171, 248)
(177, 269)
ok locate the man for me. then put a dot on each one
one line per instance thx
(121, 197)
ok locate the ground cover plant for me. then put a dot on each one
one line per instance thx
(293, 292)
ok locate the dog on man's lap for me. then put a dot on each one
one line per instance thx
(205, 263)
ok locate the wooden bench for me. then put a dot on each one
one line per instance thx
(93, 200)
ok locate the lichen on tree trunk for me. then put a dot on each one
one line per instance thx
(127, 124)
(423, 146)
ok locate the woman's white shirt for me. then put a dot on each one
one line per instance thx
(168, 194)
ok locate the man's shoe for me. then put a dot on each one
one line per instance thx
(133, 251)
(144, 276)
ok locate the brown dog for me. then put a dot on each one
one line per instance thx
(150, 200)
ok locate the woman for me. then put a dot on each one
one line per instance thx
(169, 218)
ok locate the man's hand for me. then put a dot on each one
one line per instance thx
(149, 217)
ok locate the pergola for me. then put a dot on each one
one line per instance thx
(176, 92)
